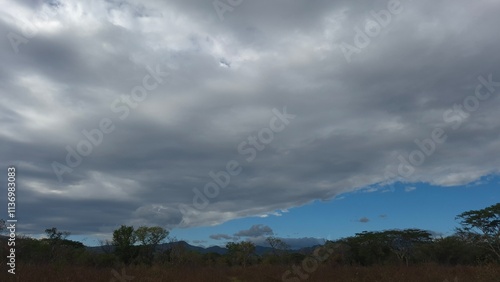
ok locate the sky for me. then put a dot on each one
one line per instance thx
(237, 120)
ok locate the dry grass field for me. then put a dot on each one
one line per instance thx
(261, 273)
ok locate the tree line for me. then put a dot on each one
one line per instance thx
(476, 241)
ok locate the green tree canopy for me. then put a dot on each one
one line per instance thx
(240, 252)
(151, 236)
(124, 239)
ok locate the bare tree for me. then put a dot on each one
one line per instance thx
(280, 248)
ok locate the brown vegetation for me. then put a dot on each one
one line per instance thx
(258, 273)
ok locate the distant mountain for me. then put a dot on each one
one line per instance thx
(259, 250)
(216, 249)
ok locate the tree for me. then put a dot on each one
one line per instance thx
(58, 246)
(150, 237)
(106, 246)
(55, 238)
(379, 247)
(124, 239)
(176, 253)
(280, 248)
(56, 235)
(454, 250)
(240, 252)
(482, 227)
(404, 242)
(369, 248)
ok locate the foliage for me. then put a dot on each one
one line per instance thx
(453, 250)
(475, 244)
(124, 239)
(240, 253)
(482, 227)
(149, 237)
(56, 235)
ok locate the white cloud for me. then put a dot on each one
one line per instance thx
(410, 189)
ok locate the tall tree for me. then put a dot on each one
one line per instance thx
(124, 239)
(369, 247)
(240, 252)
(150, 237)
(58, 243)
(404, 242)
(280, 248)
(482, 227)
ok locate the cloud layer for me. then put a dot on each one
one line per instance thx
(356, 121)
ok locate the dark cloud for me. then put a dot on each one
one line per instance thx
(255, 231)
(353, 119)
(364, 219)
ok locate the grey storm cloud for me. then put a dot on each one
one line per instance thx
(255, 231)
(408, 106)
